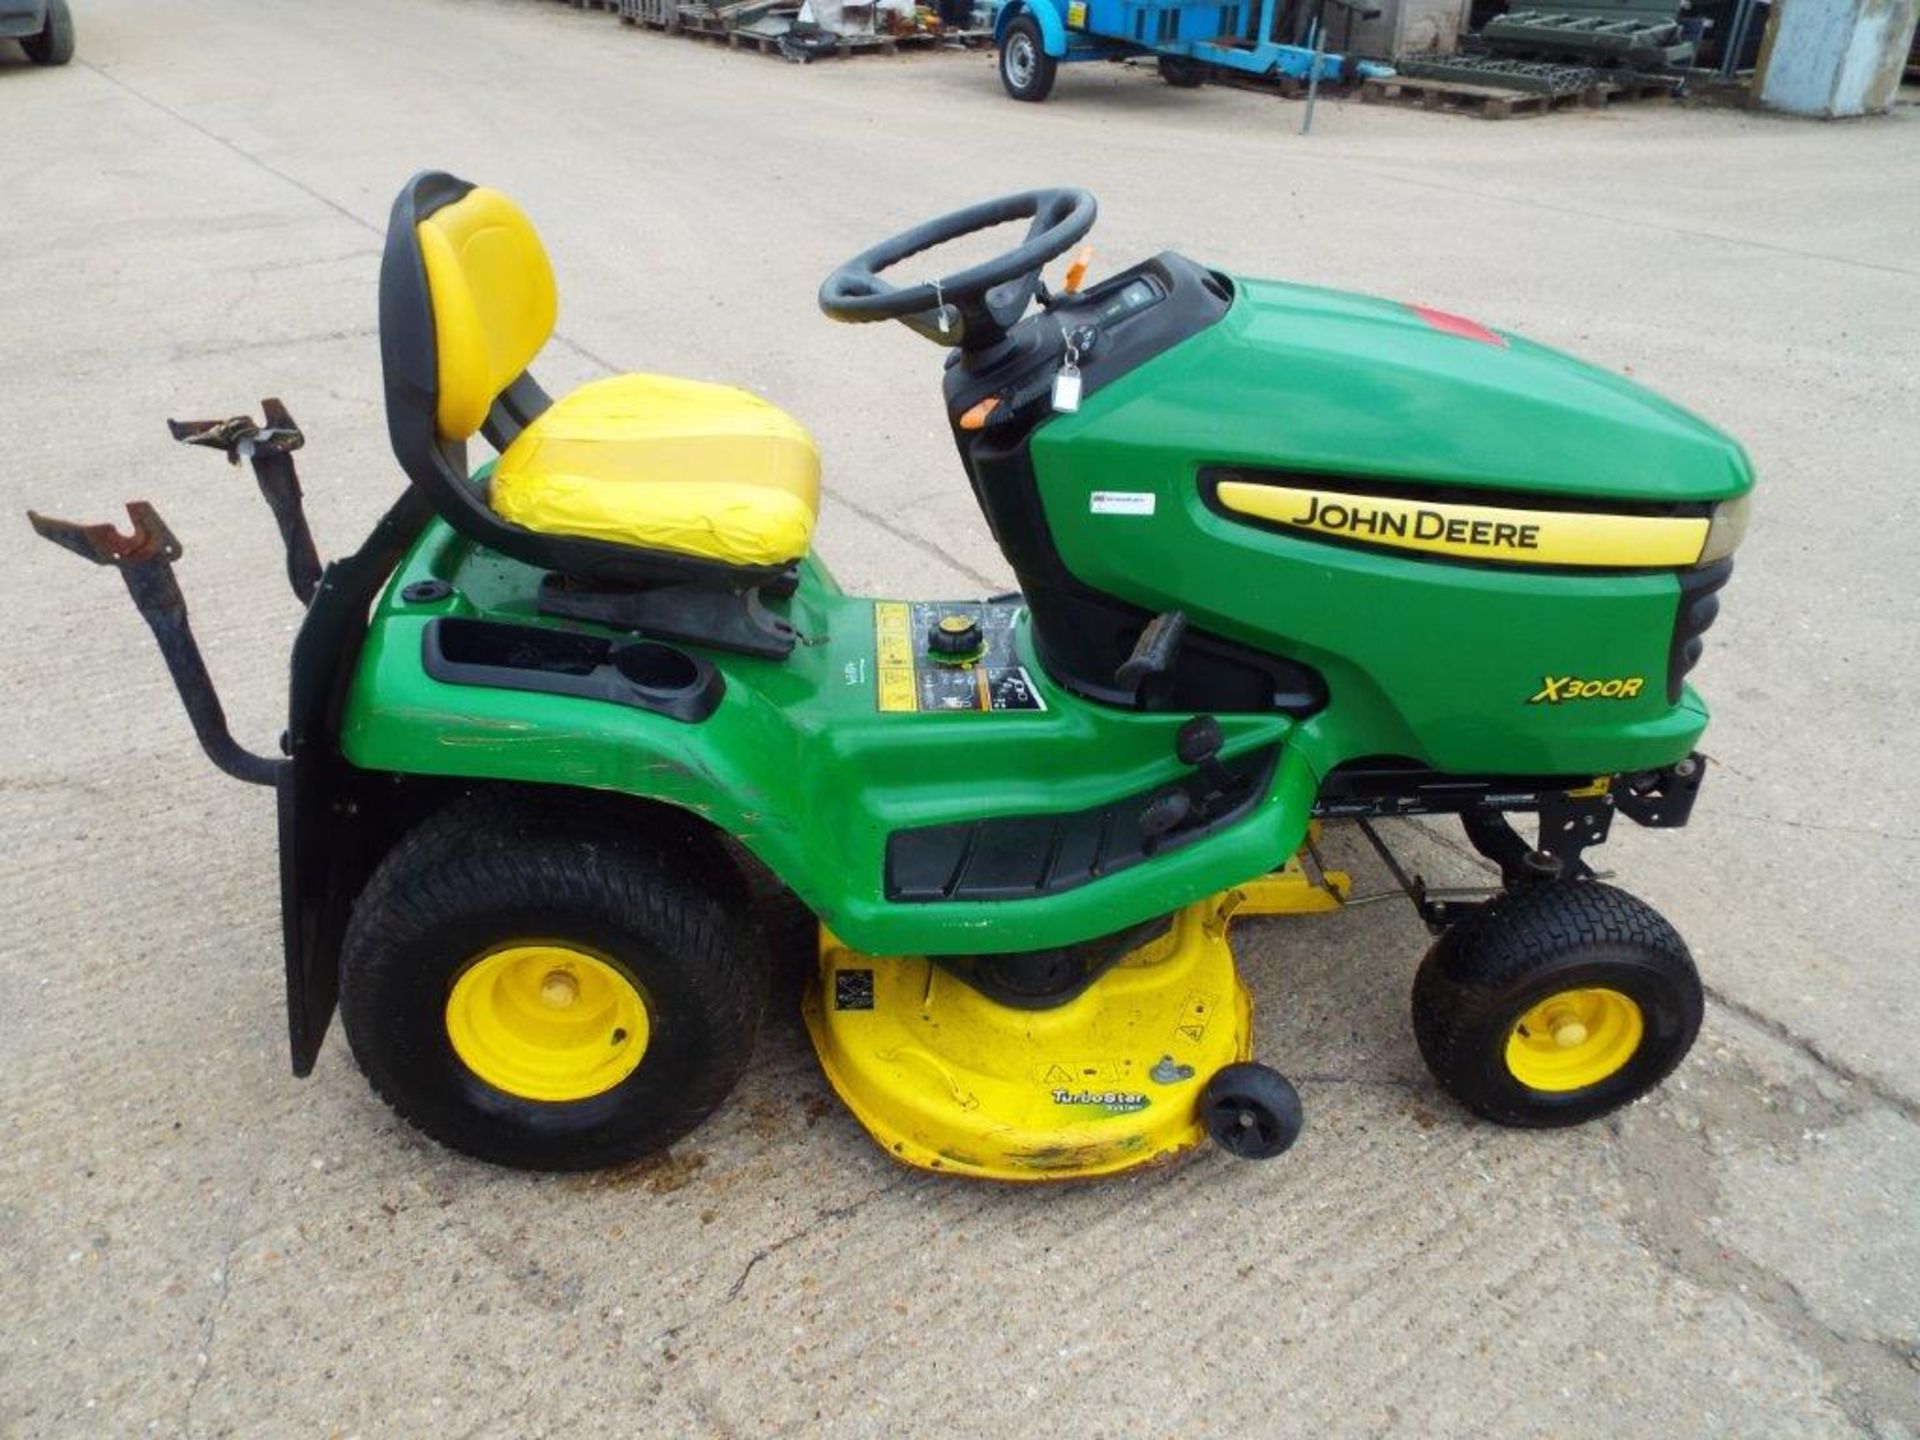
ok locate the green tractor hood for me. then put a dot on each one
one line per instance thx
(1347, 384)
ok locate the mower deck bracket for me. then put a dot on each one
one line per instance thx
(1290, 890)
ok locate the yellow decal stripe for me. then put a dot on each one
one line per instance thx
(1476, 532)
(893, 657)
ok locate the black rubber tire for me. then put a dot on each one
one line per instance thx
(1483, 974)
(1038, 83)
(1252, 1111)
(790, 936)
(1182, 73)
(495, 867)
(54, 44)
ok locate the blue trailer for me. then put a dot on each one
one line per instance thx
(1272, 39)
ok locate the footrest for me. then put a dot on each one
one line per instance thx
(1016, 857)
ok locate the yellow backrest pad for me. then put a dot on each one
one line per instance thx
(493, 302)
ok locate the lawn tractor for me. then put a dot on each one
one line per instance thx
(1285, 556)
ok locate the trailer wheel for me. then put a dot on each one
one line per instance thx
(1181, 72)
(1026, 69)
(1555, 1004)
(540, 986)
(54, 44)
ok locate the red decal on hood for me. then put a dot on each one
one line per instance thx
(1458, 325)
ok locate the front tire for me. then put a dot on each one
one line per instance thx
(1555, 1004)
(1026, 70)
(54, 44)
(542, 983)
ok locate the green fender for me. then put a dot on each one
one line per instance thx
(801, 765)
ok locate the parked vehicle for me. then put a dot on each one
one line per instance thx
(1269, 39)
(44, 29)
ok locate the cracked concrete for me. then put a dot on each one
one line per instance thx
(193, 1243)
(1729, 1165)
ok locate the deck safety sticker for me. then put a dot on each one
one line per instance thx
(1194, 1016)
(908, 680)
(853, 989)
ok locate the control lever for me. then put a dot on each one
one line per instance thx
(1167, 811)
(1197, 743)
(1154, 654)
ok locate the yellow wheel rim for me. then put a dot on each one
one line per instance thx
(547, 1022)
(1574, 1039)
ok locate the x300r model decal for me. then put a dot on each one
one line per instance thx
(1553, 690)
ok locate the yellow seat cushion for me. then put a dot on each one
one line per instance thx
(678, 465)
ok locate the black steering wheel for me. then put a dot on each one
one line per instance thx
(971, 308)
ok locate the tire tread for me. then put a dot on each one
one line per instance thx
(572, 855)
(1474, 964)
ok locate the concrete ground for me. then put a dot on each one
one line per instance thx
(193, 1242)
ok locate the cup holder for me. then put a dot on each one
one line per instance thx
(661, 669)
(643, 673)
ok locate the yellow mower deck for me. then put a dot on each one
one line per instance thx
(946, 1079)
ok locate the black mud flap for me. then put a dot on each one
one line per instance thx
(331, 819)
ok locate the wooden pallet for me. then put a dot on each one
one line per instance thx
(1489, 102)
(856, 44)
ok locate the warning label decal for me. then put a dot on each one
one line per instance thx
(910, 680)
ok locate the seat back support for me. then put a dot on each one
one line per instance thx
(467, 300)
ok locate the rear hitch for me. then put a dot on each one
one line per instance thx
(145, 559)
(269, 448)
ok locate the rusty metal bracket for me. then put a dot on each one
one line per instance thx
(145, 559)
(269, 448)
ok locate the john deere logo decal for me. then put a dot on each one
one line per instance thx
(1554, 691)
(1377, 521)
(1476, 532)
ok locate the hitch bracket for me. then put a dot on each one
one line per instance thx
(269, 448)
(144, 557)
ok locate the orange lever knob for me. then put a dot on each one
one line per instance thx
(976, 418)
(1077, 271)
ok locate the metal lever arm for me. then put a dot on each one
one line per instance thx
(145, 561)
(269, 448)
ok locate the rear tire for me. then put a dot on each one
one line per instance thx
(1182, 73)
(1026, 70)
(648, 918)
(1556, 1004)
(54, 44)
